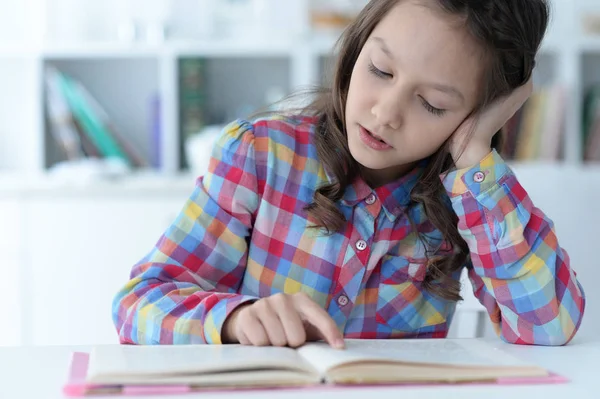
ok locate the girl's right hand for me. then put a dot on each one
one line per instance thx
(281, 320)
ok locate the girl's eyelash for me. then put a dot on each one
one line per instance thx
(432, 109)
(378, 72)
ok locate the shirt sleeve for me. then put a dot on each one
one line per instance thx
(182, 291)
(519, 272)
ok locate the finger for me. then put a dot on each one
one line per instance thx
(290, 320)
(528, 87)
(523, 93)
(514, 99)
(253, 329)
(312, 333)
(517, 98)
(271, 323)
(504, 108)
(242, 338)
(318, 317)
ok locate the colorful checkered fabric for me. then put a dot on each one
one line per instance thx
(244, 234)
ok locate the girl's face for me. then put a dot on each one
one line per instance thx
(416, 79)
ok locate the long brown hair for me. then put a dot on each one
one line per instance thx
(510, 33)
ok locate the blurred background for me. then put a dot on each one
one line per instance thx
(108, 111)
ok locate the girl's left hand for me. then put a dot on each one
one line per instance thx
(486, 124)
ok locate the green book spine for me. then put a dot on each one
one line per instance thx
(192, 99)
(91, 124)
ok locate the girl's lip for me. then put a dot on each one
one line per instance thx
(376, 136)
(372, 140)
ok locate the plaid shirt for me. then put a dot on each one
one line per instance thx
(243, 235)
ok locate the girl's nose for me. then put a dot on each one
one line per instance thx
(388, 111)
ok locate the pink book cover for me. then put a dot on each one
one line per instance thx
(77, 386)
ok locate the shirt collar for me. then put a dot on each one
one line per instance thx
(394, 196)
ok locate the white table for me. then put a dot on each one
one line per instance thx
(39, 372)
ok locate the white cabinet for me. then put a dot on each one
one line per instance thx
(66, 253)
(82, 250)
(10, 283)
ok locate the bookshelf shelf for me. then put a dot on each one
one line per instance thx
(204, 48)
(227, 48)
(10, 51)
(99, 51)
(107, 50)
(241, 75)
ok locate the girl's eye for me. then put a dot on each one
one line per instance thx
(378, 72)
(384, 75)
(435, 111)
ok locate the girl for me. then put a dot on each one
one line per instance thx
(355, 218)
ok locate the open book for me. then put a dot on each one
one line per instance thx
(114, 369)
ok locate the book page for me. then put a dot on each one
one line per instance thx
(246, 378)
(160, 360)
(447, 352)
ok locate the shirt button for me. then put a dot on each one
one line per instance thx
(371, 199)
(478, 177)
(361, 245)
(342, 300)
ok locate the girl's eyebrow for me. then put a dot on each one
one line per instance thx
(450, 90)
(384, 47)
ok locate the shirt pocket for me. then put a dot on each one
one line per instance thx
(402, 302)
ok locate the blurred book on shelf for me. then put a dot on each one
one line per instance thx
(536, 131)
(156, 145)
(591, 24)
(591, 124)
(192, 101)
(333, 15)
(80, 126)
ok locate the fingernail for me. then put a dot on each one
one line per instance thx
(339, 343)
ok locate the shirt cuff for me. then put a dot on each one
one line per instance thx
(216, 317)
(476, 179)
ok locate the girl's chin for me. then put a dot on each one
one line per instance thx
(382, 173)
(371, 162)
